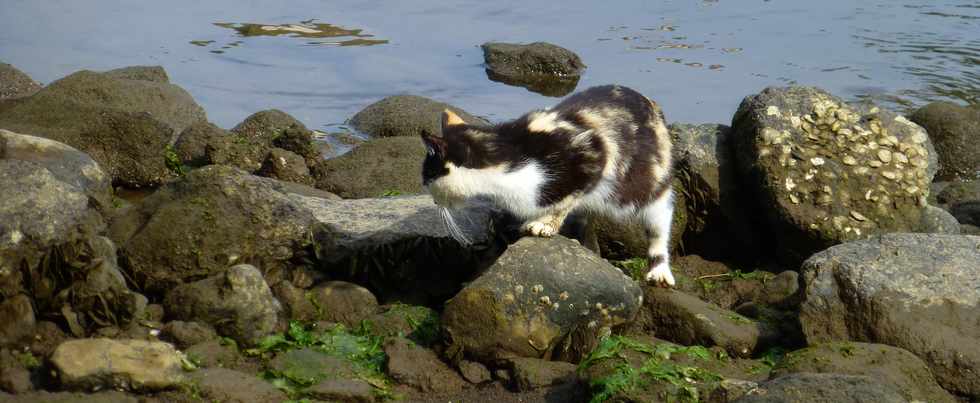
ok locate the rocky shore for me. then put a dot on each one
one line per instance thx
(824, 250)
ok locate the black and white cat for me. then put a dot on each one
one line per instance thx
(605, 149)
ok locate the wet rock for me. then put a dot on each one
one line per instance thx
(238, 303)
(15, 84)
(343, 390)
(895, 367)
(624, 240)
(214, 354)
(419, 367)
(938, 221)
(192, 143)
(210, 219)
(782, 290)
(474, 372)
(533, 373)
(718, 226)
(71, 397)
(540, 67)
(343, 302)
(186, 334)
(405, 115)
(310, 366)
(287, 166)
(379, 167)
(825, 172)
(49, 245)
(225, 385)
(295, 303)
(685, 319)
(953, 130)
(417, 323)
(717, 282)
(822, 388)
(16, 320)
(913, 291)
(67, 164)
(542, 297)
(87, 364)
(251, 141)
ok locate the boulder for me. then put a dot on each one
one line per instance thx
(534, 373)
(87, 364)
(918, 292)
(825, 172)
(405, 115)
(379, 167)
(718, 226)
(238, 303)
(419, 367)
(343, 302)
(225, 385)
(185, 334)
(823, 388)
(192, 143)
(248, 144)
(938, 221)
(953, 129)
(286, 166)
(474, 372)
(962, 200)
(15, 84)
(540, 67)
(895, 367)
(215, 354)
(542, 298)
(67, 164)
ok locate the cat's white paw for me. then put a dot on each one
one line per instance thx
(661, 276)
(538, 228)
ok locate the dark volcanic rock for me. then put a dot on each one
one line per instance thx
(420, 368)
(823, 388)
(893, 366)
(540, 67)
(238, 303)
(15, 84)
(377, 168)
(914, 291)
(718, 224)
(405, 115)
(542, 297)
(824, 172)
(953, 129)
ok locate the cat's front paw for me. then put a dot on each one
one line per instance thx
(538, 228)
(660, 276)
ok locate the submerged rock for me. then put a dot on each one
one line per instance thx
(238, 303)
(825, 172)
(953, 129)
(87, 364)
(406, 115)
(540, 67)
(895, 367)
(541, 298)
(377, 168)
(15, 84)
(914, 291)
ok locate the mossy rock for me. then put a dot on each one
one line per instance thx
(825, 172)
(380, 167)
(405, 115)
(953, 129)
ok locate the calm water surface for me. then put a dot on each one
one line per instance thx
(697, 58)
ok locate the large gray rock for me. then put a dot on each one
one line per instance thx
(540, 67)
(953, 129)
(823, 388)
(377, 168)
(67, 164)
(87, 364)
(542, 297)
(405, 115)
(238, 303)
(893, 366)
(115, 121)
(914, 291)
(718, 224)
(50, 249)
(15, 84)
(825, 172)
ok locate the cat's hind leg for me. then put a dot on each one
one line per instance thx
(550, 223)
(657, 217)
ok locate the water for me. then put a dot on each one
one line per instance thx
(697, 58)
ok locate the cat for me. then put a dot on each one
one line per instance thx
(605, 149)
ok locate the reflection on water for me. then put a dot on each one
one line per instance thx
(697, 59)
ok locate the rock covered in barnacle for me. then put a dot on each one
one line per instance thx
(826, 171)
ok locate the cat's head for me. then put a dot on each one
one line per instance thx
(448, 156)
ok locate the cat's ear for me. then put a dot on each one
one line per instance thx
(434, 145)
(450, 118)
